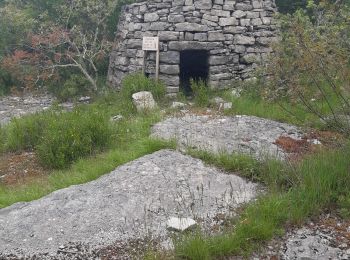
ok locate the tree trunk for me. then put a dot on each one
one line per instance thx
(89, 78)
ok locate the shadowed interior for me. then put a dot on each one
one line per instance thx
(193, 65)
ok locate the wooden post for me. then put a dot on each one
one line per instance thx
(144, 62)
(157, 65)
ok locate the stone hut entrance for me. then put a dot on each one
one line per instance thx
(215, 40)
(194, 64)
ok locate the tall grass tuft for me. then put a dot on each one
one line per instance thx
(26, 132)
(60, 138)
(70, 136)
(319, 181)
(201, 93)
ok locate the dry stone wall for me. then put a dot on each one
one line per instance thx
(236, 34)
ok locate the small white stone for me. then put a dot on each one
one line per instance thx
(315, 142)
(218, 100)
(116, 118)
(227, 105)
(180, 224)
(84, 99)
(178, 105)
(236, 93)
(343, 246)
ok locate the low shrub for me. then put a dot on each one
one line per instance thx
(70, 136)
(25, 133)
(59, 137)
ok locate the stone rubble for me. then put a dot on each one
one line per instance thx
(18, 106)
(327, 238)
(236, 33)
(310, 244)
(14, 107)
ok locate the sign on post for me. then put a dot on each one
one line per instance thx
(151, 44)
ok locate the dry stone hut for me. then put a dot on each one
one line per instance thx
(215, 40)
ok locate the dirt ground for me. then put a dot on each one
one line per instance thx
(18, 169)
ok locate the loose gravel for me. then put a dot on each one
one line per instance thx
(14, 107)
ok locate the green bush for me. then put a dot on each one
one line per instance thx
(201, 93)
(310, 65)
(70, 136)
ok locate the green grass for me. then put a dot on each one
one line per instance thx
(252, 103)
(201, 93)
(131, 142)
(83, 171)
(273, 173)
(319, 181)
(128, 140)
(2, 137)
(283, 112)
(61, 138)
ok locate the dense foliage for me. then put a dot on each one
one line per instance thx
(287, 6)
(43, 42)
(312, 64)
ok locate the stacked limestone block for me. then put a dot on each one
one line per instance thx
(238, 35)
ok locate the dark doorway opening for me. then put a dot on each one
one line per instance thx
(194, 64)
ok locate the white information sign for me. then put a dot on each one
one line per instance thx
(150, 44)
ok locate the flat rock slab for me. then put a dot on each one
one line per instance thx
(136, 198)
(238, 134)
